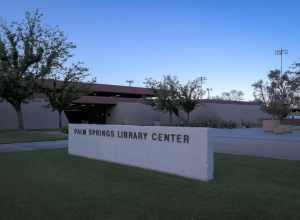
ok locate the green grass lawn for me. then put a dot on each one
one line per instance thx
(17, 136)
(54, 185)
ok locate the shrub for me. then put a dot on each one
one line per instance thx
(215, 123)
(65, 129)
(246, 124)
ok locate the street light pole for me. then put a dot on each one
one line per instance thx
(281, 52)
(208, 92)
(130, 82)
(202, 81)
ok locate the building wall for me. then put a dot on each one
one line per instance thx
(133, 113)
(35, 114)
(249, 113)
(141, 114)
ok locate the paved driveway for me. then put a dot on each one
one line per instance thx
(33, 146)
(255, 142)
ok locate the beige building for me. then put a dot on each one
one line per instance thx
(113, 104)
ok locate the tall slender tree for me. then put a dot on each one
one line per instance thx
(29, 51)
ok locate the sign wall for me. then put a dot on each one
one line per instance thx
(182, 151)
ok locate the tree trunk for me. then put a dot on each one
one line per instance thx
(170, 117)
(60, 119)
(188, 118)
(19, 117)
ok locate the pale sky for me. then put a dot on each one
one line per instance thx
(232, 43)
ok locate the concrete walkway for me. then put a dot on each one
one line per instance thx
(33, 146)
(255, 142)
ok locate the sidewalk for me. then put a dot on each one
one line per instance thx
(255, 134)
(33, 146)
(256, 142)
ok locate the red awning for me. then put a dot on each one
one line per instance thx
(96, 100)
(105, 100)
(122, 89)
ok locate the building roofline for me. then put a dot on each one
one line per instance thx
(109, 88)
(142, 91)
(114, 100)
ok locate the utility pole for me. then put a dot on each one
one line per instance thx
(130, 82)
(208, 92)
(281, 52)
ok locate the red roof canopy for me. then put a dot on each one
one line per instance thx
(105, 100)
(48, 83)
(122, 89)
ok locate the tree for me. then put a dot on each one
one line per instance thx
(233, 95)
(295, 79)
(29, 51)
(277, 95)
(166, 95)
(190, 94)
(65, 86)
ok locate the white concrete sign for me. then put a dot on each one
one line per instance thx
(176, 150)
